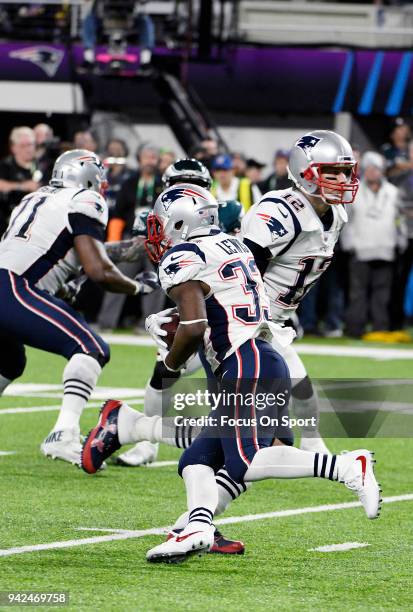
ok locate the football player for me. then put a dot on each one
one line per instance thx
(214, 281)
(54, 232)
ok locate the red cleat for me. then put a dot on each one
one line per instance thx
(221, 546)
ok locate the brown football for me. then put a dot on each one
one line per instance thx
(170, 328)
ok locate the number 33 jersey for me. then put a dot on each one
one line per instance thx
(237, 305)
(300, 245)
(39, 241)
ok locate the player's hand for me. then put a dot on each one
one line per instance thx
(148, 282)
(153, 327)
(69, 291)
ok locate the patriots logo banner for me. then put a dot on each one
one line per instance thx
(179, 192)
(47, 59)
(307, 142)
(275, 226)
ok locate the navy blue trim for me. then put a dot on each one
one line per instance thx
(218, 322)
(186, 246)
(80, 191)
(297, 227)
(82, 225)
(57, 251)
(262, 255)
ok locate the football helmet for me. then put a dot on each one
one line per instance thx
(187, 171)
(230, 213)
(178, 213)
(79, 168)
(313, 154)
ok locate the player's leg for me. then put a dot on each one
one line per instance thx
(304, 402)
(12, 360)
(249, 457)
(37, 319)
(197, 467)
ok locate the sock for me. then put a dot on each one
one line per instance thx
(306, 406)
(202, 496)
(4, 382)
(133, 426)
(228, 490)
(290, 462)
(154, 400)
(79, 379)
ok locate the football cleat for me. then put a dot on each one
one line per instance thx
(221, 544)
(314, 445)
(181, 546)
(63, 444)
(103, 440)
(355, 469)
(140, 454)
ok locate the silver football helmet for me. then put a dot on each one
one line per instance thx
(179, 212)
(187, 171)
(317, 152)
(79, 168)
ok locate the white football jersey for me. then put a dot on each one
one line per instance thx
(237, 304)
(38, 243)
(302, 247)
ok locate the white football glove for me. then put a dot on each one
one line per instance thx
(153, 327)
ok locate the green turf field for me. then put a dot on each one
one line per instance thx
(45, 501)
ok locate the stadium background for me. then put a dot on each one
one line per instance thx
(244, 77)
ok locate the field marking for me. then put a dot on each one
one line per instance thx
(303, 349)
(126, 535)
(157, 464)
(53, 391)
(28, 409)
(5, 453)
(339, 547)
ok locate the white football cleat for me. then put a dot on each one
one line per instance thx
(183, 545)
(140, 454)
(355, 470)
(63, 444)
(314, 445)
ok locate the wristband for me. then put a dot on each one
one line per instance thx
(169, 368)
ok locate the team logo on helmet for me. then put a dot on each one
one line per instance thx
(174, 194)
(307, 142)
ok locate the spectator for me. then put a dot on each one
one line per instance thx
(404, 260)
(279, 178)
(18, 172)
(115, 160)
(396, 152)
(253, 170)
(227, 186)
(166, 158)
(47, 149)
(84, 139)
(239, 163)
(89, 24)
(138, 191)
(372, 236)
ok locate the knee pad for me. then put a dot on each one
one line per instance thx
(303, 390)
(13, 364)
(83, 368)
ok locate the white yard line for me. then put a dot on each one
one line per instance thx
(5, 453)
(335, 350)
(57, 407)
(126, 535)
(339, 547)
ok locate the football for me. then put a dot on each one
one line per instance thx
(170, 329)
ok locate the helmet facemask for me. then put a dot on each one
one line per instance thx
(332, 192)
(156, 244)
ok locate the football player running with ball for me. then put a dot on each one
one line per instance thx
(214, 281)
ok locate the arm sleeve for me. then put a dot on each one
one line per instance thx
(81, 224)
(180, 264)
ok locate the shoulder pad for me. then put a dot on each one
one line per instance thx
(89, 203)
(181, 264)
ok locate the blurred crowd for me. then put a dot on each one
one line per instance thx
(366, 292)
